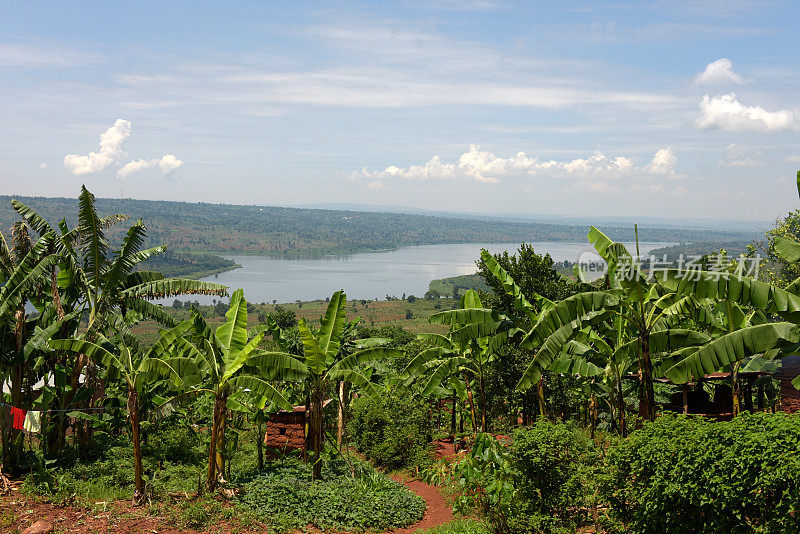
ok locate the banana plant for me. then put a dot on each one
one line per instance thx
(648, 314)
(323, 364)
(22, 273)
(475, 336)
(136, 369)
(107, 280)
(751, 340)
(104, 283)
(232, 365)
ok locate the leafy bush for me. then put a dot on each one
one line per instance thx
(395, 432)
(539, 482)
(108, 473)
(175, 443)
(553, 461)
(684, 474)
(285, 496)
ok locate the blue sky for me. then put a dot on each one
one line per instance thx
(671, 108)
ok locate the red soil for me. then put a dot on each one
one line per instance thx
(437, 513)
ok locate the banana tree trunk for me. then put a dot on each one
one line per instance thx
(309, 430)
(133, 411)
(540, 398)
(217, 441)
(17, 375)
(471, 403)
(736, 389)
(316, 424)
(342, 420)
(260, 445)
(221, 453)
(483, 404)
(621, 407)
(15, 444)
(453, 416)
(647, 407)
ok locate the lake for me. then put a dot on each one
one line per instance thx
(370, 275)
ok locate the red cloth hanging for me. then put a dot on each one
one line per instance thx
(19, 418)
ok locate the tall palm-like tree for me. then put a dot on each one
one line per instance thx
(324, 365)
(649, 314)
(137, 369)
(752, 336)
(22, 269)
(232, 364)
(108, 281)
(104, 283)
(472, 344)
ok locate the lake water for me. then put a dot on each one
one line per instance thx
(370, 275)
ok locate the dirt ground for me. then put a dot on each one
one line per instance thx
(18, 512)
(437, 513)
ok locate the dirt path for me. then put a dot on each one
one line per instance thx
(437, 513)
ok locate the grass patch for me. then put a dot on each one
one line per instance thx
(459, 526)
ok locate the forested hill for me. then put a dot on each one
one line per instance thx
(225, 228)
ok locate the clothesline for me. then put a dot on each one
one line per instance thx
(31, 420)
(56, 410)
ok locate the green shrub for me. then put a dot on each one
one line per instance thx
(199, 514)
(176, 443)
(285, 496)
(553, 461)
(541, 481)
(684, 474)
(395, 432)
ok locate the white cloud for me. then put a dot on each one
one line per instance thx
(663, 164)
(111, 142)
(725, 112)
(597, 172)
(166, 165)
(793, 159)
(43, 165)
(111, 151)
(737, 155)
(169, 163)
(717, 73)
(375, 186)
(42, 56)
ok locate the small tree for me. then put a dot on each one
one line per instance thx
(325, 364)
(136, 370)
(232, 363)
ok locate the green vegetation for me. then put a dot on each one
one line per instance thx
(459, 526)
(734, 248)
(286, 497)
(456, 285)
(394, 431)
(271, 230)
(540, 480)
(682, 474)
(188, 264)
(539, 406)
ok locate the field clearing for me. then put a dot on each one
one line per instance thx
(372, 313)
